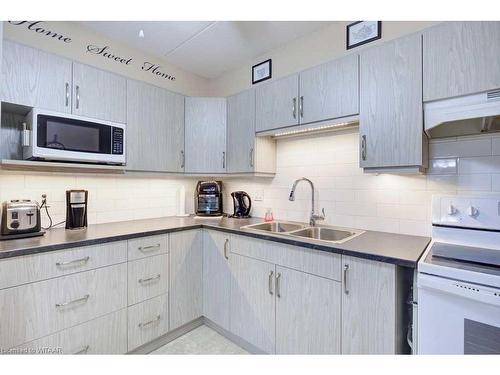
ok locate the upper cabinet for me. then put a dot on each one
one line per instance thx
(155, 129)
(391, 119)
(99, 94)
(329, 91)
(205, 131)
(277, 104)
(461, 58)
(247, 153)
(35, 78)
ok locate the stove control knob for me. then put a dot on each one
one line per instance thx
(451, 210)
(473, 211)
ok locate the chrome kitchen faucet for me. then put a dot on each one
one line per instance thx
(314, 217)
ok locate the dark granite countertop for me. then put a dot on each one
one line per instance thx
(392, 248)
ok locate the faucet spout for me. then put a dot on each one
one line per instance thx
(313, 217)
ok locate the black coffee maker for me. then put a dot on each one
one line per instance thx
(76, 209)
(242, 204)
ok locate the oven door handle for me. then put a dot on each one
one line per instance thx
(461, 289)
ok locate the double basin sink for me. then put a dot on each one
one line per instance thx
(319, 233)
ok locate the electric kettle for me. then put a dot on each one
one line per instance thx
(242, 206)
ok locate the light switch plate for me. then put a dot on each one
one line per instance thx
(259, 195)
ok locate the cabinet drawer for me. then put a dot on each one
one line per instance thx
(147, 321)
(147, 246)
(105, 335)
(147, 278)
(31, 268)
(299, 258)
(31, 311)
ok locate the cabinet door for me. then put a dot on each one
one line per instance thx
(276, 104)
(205, 129)
(368, 307)
(461, 58)
(330, 90)
(99, 94)
(186, 288)
(155, 128)
(35, 78)
(241, 132)
(253, 302)
(308, 313)
(391, 123)
(216, 277)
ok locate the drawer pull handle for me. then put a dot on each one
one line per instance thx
(270, 282)
(85, 298)
(278, 285)
(147, 249)
(149, 279)
(145, 324)
(83, 350)
(72, 262)
(346, 268)
(226, 243)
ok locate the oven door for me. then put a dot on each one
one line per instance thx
(75, 138)
(456, 317)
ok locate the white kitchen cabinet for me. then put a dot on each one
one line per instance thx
(329, 90)
(155, 129)
(253, 302)
(277, 104)
(147, 278)
(461, 58)
(35, 78)
(216, 277)
(247, 153)
(391, 118)
(99, 94)
(1, 45)
(369, 308)
(186, 277)
(205, 132)
(308, 313)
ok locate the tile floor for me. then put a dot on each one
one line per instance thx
(202, 340)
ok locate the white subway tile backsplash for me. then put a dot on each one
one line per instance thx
(460, 148)
(443, 166)
(474, 182)
(485, 164)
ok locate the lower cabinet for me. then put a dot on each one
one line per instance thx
(369, 307)
(252, 301)
(186, 277)
(216, 277)
(105, 335)
(308, 313)
(147, 321)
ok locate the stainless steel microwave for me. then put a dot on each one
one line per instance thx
(66, 137)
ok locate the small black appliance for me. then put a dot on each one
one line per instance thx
(76, 209)
(208, 198)
(242, 204)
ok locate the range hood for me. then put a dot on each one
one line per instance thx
(465, 115)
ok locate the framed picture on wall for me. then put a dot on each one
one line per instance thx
(261, 71)
(362, 32)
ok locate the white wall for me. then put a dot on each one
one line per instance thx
(389, 203)
(319, 47)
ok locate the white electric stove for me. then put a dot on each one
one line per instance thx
(459, 278)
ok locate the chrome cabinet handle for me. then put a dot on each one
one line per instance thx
(77, 88)
(149, 279)
(294, 107)
(252, 156)
(147, 249)
(67, 94)
(226, 243)
(363, 147)
(85, 298)
(145, 324)
(71, 262)
(346, 268)
(84, 350)
(278, 285)
(270, 285)
(301, 107)
(223, 159)
(183, 159)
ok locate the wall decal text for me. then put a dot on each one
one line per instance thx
(39, 29)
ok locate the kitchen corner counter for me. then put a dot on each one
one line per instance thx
(403, 250)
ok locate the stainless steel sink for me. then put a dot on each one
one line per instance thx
(275, 227)
(326, 234)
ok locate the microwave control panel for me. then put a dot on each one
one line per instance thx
(117, 141)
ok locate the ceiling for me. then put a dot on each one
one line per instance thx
(206, 48)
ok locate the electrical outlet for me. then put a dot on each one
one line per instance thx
(259, 195)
